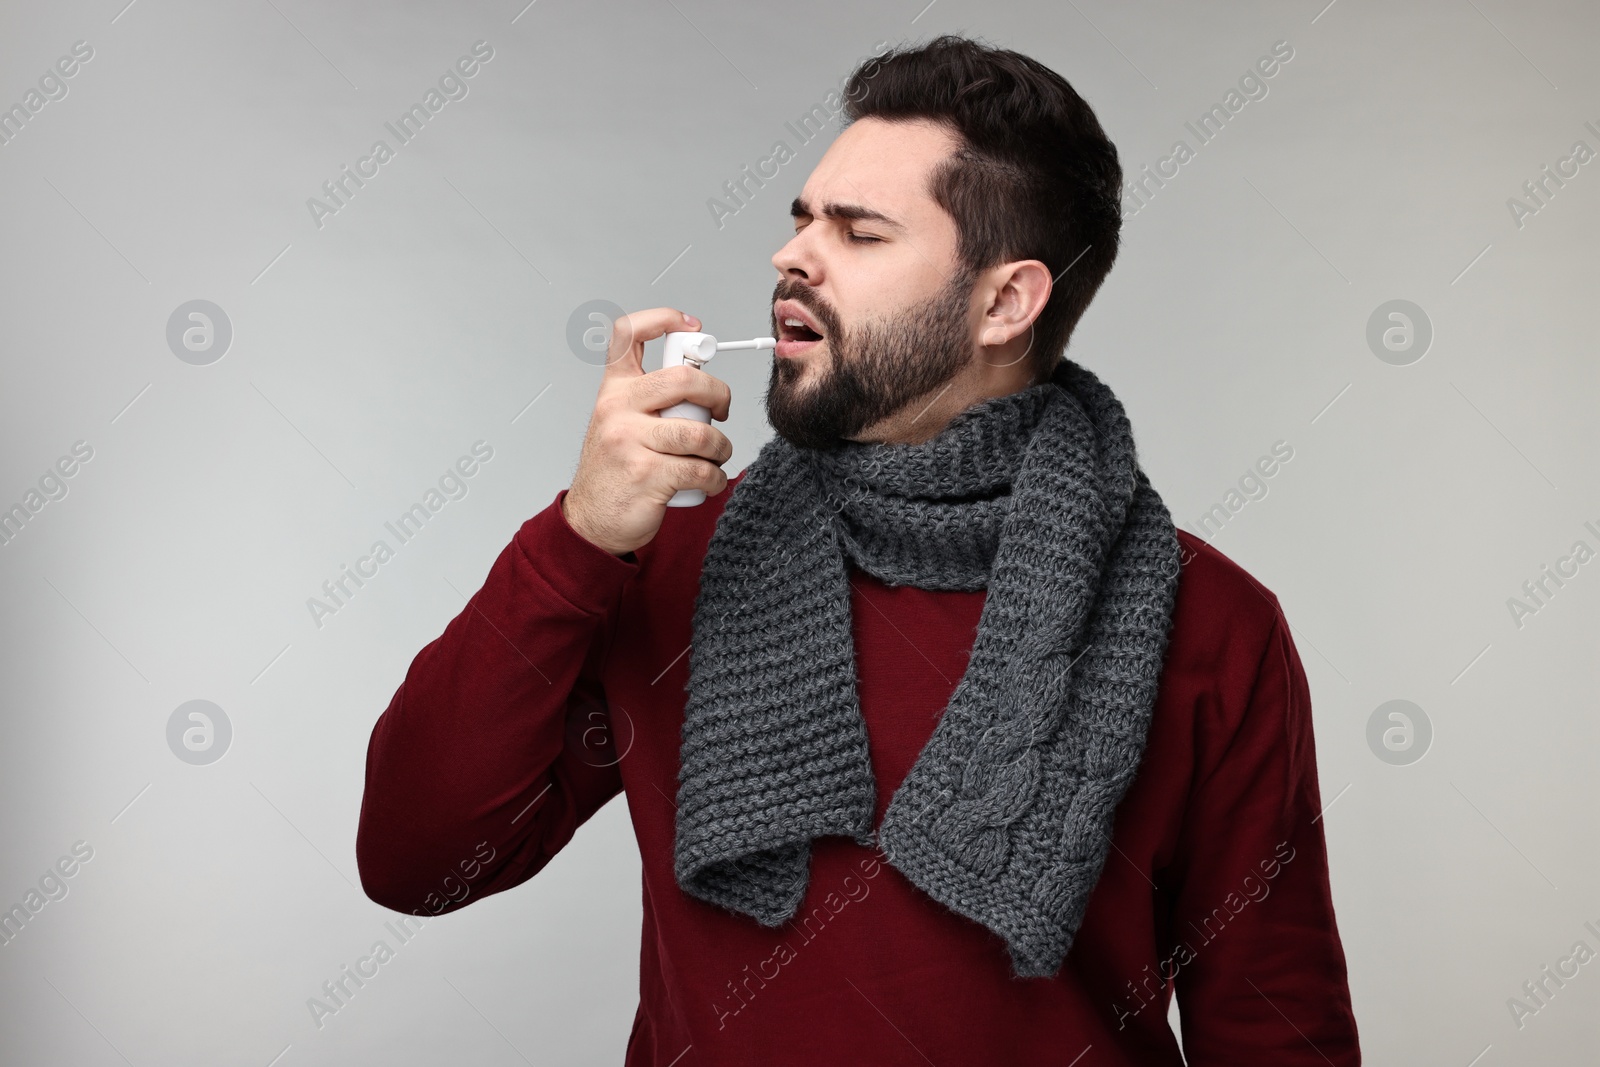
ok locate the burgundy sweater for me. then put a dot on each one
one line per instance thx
(563, 682)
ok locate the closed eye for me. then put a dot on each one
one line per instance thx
(851, 236)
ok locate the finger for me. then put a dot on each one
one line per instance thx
(625, 347)
(661, 389)
(719, 410)
(680, 472)
(689, 437)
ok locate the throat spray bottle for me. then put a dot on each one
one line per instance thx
(696, 350)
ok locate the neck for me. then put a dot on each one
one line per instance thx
(995, 372)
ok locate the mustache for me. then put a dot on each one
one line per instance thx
(806, 297)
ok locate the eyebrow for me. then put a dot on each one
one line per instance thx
(853, 212)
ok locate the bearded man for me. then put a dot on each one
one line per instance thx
(941, 744)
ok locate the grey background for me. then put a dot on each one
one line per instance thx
(431, 312)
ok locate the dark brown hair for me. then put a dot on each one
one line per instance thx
(1035, 176)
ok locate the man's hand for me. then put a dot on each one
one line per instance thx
(633, 460)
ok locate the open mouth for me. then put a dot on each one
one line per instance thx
(796, 334)
(795, 330)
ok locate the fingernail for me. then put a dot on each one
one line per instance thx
(692, 321)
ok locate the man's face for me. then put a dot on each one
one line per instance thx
(873, 270)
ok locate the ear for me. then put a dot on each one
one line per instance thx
(1017, 294)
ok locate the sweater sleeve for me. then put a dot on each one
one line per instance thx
(1260, 969)
(496, 747)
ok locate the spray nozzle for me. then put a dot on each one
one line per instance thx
(754, 342)
(696, 349)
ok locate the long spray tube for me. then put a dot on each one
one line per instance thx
(696, 350)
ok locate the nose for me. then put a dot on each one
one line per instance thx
(796, 262)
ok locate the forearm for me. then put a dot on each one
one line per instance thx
(475, 753)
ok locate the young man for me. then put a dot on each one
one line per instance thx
(941, 744)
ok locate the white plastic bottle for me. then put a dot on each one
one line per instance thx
(696, 350)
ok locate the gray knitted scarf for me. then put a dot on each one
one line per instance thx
(1006, 815)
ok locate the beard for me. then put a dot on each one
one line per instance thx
(873, 370)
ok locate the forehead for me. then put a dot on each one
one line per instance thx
(883, 166)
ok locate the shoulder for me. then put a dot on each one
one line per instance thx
(1210, 578)
(1233, 687)
(1224, 621)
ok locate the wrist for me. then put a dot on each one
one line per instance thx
(579, 527)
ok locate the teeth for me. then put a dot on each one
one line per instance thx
(793, 322)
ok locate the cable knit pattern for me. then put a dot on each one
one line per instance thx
(1006, 815)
